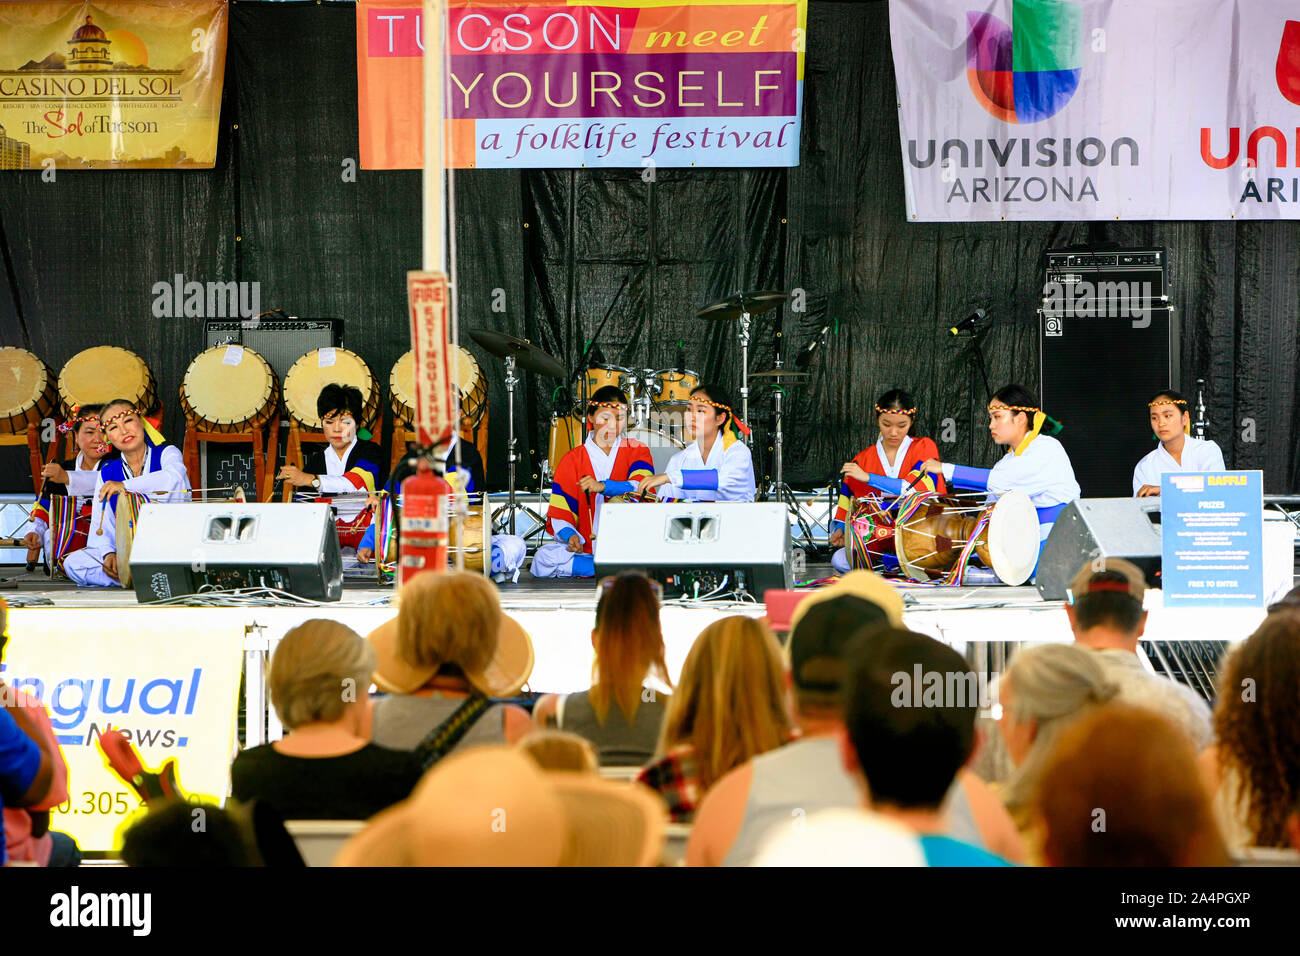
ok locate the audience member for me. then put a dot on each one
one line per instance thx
(27, 835)
(1288, 602)
(1252, 772)
(181, 834)
(843, 838)
(1045, 688)
(325, 768)
(620, 714)
(1106, 616)
(808, 775)
(905, 744)
(729, 707)
(493, 806)
(560, 750)
(1120, 788)
(444, 660)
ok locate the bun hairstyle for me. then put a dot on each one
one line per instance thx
(340, 398)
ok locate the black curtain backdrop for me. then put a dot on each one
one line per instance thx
(547, 254)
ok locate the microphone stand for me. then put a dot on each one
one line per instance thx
(976, 362)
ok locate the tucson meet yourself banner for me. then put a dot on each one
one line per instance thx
(120, 84)
(1098, 109)
(618, 84)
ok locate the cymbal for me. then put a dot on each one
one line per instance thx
(527, 355)
(751, 302)
(787, 375)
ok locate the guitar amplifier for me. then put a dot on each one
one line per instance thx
(280, 341)
(698, 549)
(182, 548)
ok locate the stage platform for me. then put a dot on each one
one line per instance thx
(982, 623)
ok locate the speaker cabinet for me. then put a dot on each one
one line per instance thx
(1092, 529)
(695, 548)
(180, 548)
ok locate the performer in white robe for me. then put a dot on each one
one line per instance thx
(1178, 450)
(147, 466)
(717, 465)
(1036, 464)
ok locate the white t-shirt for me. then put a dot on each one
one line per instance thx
(1198, 455)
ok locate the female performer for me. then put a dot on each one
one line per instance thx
(1035, 463)
(896, 457)
(146, 465)
(349, 466)
(1178, 450)
(62, 514)
(717, 465)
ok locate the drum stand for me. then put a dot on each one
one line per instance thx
(512, 506)
(744, 370)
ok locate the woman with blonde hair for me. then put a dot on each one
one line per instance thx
(620, 715)
(446, 661)
(1252, 773)
(324, 768)
(1044, 690)
(729, 707)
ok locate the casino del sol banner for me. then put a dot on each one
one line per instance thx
(120, 84)
(1098, 109)
(625, 83)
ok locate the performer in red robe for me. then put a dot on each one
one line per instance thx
(885, 468)
(606, 466)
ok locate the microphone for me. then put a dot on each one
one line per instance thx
(968, 323)
(805, 356)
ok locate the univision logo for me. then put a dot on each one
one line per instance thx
(1025, 71)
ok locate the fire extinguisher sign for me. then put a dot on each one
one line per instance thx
(426, 293)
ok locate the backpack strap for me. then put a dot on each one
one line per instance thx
(443, 738)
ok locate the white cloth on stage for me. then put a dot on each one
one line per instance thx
(333, 483)
(734, 465)
(1198, 455)
(170, 483)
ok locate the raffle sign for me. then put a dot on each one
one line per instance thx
(1212, 529)
(120, 84)
(626, 83)
(426, 292)
(167, 683)
(1098, 109)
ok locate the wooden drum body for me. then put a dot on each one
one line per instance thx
(229, 390)
(320, 367)
(28, 391)
(106, 373)
(930, 542)
(472, 536)
(473, 390)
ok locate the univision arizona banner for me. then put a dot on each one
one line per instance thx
(626, 83)
(1098, 109)
(111, 85)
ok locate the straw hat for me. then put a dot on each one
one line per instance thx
(492, 806)
(860, 583)
(506, 671)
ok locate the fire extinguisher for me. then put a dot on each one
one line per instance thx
(424, 525)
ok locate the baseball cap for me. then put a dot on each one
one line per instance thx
(1109, 575)
(820, 639)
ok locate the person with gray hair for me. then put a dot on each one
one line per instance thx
(325, 767)
(1044, 689)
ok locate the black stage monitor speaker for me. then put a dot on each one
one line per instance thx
(1109, 341)
(182, 548)
(1092, 529)
(696, 549)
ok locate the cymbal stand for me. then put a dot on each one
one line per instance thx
(779, 490)
(744, 366)
(511, 381)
